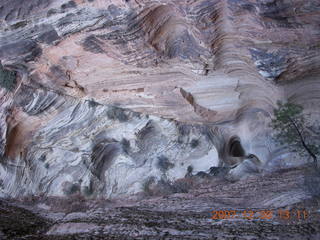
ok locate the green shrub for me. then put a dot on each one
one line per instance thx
(7, 79)
(290, 126)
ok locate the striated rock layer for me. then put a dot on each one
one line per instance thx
(111, 94)
(180, 216)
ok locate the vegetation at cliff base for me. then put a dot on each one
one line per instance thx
(292, 129)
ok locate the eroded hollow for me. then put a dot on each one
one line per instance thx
(235, 148)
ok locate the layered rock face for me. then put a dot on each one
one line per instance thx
(111, 94)
(181, 216)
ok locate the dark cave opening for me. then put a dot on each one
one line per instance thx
(235, 147)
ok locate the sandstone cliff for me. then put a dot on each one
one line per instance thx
(184, 71)
(111, 98)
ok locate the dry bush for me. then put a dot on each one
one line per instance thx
(162, 187)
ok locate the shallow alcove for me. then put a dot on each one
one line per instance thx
(235, 148)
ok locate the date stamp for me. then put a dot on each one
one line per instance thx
(260, 214)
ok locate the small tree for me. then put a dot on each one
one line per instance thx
(289, 124)
(7, 79)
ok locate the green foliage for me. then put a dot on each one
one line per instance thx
(289, 125)
(285, 130)
(7, 79)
